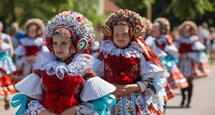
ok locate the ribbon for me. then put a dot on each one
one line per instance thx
(5, 55)
(19, 99)
(103, 103)
(169, 60)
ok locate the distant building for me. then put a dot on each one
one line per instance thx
(108, 7)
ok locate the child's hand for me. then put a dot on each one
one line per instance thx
(47, 112)
(126, 89)
(70, 111)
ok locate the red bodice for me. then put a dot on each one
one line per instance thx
(31, 50)
(185, 47)
(161, 46)
(121, 70)
(59, 94)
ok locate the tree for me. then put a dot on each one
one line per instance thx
(22, 10)
(189, 9)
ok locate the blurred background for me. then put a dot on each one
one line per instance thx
(97, 10)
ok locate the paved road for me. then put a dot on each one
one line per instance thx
(203, 102)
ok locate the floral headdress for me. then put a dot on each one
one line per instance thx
(132, 19)
(78, 26)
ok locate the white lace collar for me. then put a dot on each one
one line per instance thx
(30, 42)
(191, 39)
(162, 39)
(108, 47)
(79, 64)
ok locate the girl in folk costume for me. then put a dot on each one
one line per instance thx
(128, 63)
(63, 78)
(192, 60)
(151, 42)
(147, 29)
(6, 68)
(7, 39)
(29, 48)
(164, 42)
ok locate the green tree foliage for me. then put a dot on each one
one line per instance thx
(175, 10)
(22, 10)
(134, 5)
(89, 8)
(189, 9)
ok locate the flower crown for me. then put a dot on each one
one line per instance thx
(132, 19)
(80, 28)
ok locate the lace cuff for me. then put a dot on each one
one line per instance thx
(34, 108)
(142, 85)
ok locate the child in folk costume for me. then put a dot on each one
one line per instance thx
(7, 39)
(128, 63)
(165, 43)
(151, 42)
(6, 68)
(192, 60)
(29, 48)
(63, 76)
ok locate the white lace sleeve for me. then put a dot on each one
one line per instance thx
(34, 108)
(19, 50)
(31, 86)
(198, 46)
(98, 67)
(149, 70)
(171, 49)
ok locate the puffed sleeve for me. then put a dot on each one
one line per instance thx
(31, 86)
(149, 69)
(20, 51)
(98, 67)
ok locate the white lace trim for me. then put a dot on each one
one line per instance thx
(162, 39)
(108, 47)
(47, 62)
(150, 41)
(30, 42)
(151, 98)
(34, 108)
(191, 39)
(86, 108)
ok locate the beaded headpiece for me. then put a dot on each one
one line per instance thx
(132, 19)
(78, 26)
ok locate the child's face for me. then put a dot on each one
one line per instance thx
(61, 46)
(186, 32)
(32, 31)
(155, 31)
(121, 36)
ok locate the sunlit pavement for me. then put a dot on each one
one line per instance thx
(203, 101)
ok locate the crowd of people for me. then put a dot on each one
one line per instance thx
(60, 69)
